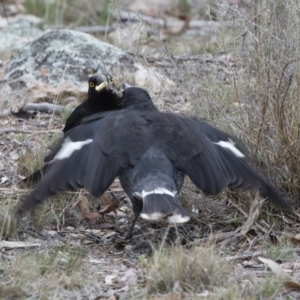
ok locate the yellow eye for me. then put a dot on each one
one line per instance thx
(92, 84)
(111, 81)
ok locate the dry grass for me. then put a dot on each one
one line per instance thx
(44, 273)
(258, 102)
(8, 224)
(178, 273)
(194, 270)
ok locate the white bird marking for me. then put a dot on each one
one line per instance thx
(231, 146)
(158, 190)
(154, 216)
(68, 147)
(178, 219)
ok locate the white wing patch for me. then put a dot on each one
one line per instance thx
(159, 190)
(231, 146)
(68, 147)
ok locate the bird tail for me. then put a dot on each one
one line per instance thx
(269, 192)
(161, 203)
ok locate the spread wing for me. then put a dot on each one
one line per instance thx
(91, 155)
(210, 157)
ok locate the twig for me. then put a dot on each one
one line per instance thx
(17, 244)
(27, 131)
(216, 238)
(237, 207)
(13, 190)
(253, 214)
(244, 256)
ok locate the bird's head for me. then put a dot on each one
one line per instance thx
(100, 84)
(136, 98)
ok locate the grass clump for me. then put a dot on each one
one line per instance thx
(192, 270)
(30, 161)
(56, 211)
(279, 252)
(66, 112)
(8, 224)
(199, 272)
(42, 273)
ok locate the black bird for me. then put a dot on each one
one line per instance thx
(102, 96)
(151, 152)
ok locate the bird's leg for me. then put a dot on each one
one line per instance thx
(129, 233)
(137, 206)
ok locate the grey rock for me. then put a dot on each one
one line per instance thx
(59, 62)
(17, 32)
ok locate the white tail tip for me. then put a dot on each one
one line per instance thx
(153, 217)
(178, 219)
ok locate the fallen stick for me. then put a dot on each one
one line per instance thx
(43, 107)
(17, 244)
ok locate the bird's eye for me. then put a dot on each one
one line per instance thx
(111, 81)
(92, 84)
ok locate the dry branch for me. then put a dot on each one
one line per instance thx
(16, 244)
(43, 107)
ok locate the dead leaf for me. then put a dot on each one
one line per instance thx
(292, 285)
(44, 71)
(84, 205)
(111, 207)
(282, 276)
(106, 199)
(91, 215)
(295, 239)
(111, 297)
(253, 214)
